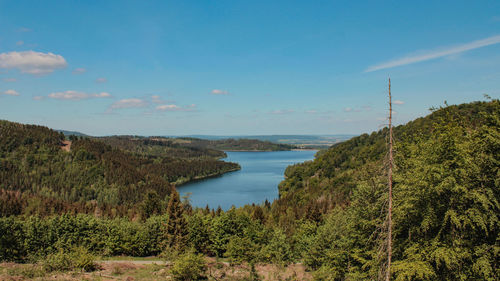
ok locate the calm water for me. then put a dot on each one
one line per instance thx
(258, 179)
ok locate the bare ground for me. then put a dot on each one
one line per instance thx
(66, 145)
(146, 270)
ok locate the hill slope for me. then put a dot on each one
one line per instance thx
(37, 176)
(446, 199)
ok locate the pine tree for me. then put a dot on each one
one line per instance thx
(177, 230)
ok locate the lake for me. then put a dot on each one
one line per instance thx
(258, 179)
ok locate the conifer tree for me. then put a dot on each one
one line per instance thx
(177, 230)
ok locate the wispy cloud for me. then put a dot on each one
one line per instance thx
(20, 43)
(311, 111)
(358, 109)
(101, 80)
(38, 97)
(32, 62)
(219, 92)
(10, 93)
(75, 95)
(399, 102)
(173, 107)
(79, 70)
(282, 111)
(128, 103)
(9, 79)
(159, 100)
(24, 29)
(429, 55)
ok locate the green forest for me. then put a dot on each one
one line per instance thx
(236, 144)
(116, 196)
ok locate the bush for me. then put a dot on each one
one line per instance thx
(278, 250)
(240, 250)
(189, 266)
(77, 259)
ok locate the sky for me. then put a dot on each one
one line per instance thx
(242, 67)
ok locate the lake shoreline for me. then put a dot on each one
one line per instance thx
(200, 178)
(257, 180)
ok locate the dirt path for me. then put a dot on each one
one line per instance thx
(144, 262)
(66, 145)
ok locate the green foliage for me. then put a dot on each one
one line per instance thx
(199, 232)
(330, 214)
(446, 194)
(11, 240)
(278, 250)
(236, 144)
(176, 231)
(189, 266)
(76, 259)
(241, 249)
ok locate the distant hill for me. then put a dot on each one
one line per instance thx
(162, 147)
(305, 141)
(72, 133)
(242, 144)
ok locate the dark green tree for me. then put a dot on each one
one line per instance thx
(177, 228)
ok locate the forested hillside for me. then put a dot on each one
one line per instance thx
(162, 147)
(446, 194)
(38, 177)
(237, 144)
(330, 215)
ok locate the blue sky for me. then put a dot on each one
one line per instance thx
(241, 67)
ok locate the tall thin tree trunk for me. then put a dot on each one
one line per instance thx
(389, 216)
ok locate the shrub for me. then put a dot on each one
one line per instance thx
(77, 259)
(189, 266)
(240, 250)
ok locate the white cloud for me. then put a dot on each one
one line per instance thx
(436, 53)
(79, 70)
(11, 93)
(101, 80)
(173, 107)
(101, 95)
(32, 62)
(399, 102)
(38, 97)
(348, 109)
(9, 79)
(128, 103)
(75, 95)
(283, 111)
(20, 43)
(312, 111)
(219, 92)
(168, 107)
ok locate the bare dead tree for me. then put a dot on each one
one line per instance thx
(389, 174)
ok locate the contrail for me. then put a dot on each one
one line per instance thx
(436, 54)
